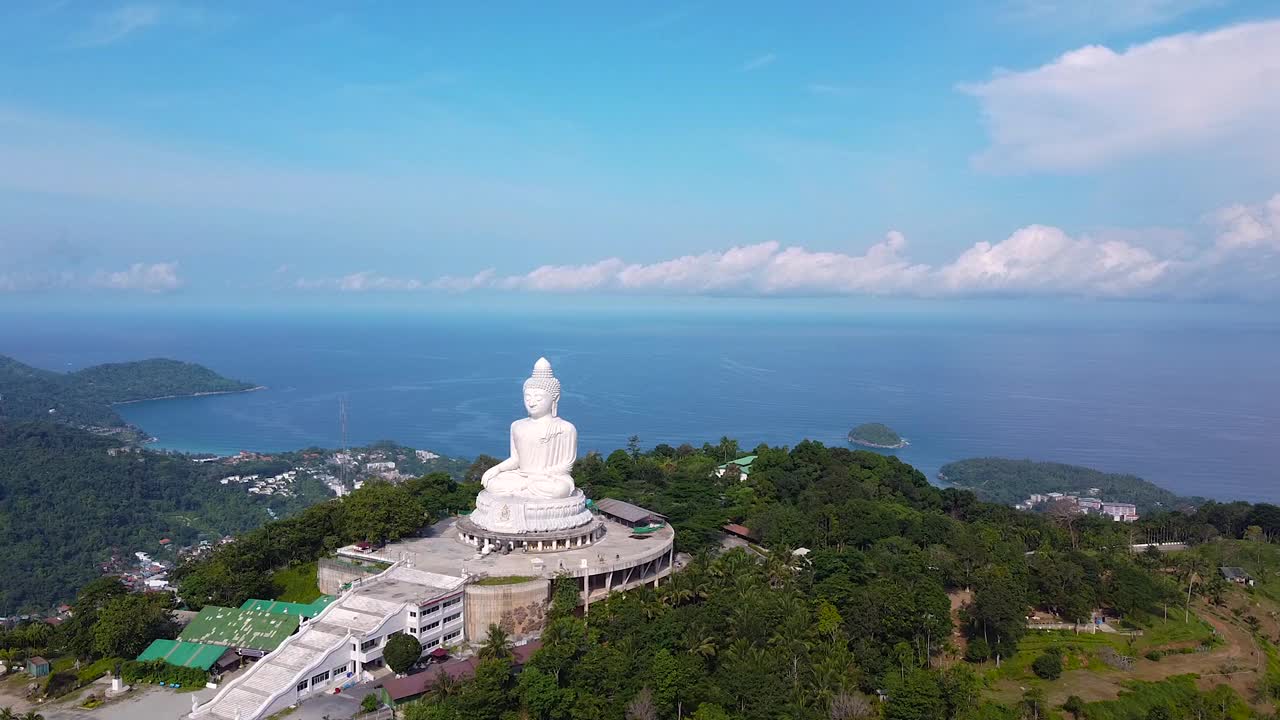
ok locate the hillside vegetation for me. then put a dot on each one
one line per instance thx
(66, 505)
(760, 634)
(1006, 481)
(85, 397)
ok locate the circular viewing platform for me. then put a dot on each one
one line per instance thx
(534, 542)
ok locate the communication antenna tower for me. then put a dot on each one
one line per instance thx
(346, 451)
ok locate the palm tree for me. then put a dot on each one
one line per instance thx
(8, 714)
(497, 645)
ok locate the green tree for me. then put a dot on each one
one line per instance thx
(916, 697)
(497, 644)
(977, 651)
(369, 703)
(709, 711)
(1074, 705)
(380, 512)
(128, 623)
(401, 652)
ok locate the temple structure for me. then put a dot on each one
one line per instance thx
(531, 525)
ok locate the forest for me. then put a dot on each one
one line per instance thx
(67, 504)
(85, 397)
(863, 625)
(1005, 481)
(760, 634)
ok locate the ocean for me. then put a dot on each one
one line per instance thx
(1185, 396)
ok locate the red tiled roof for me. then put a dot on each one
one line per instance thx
(737, 529)
(418, 683)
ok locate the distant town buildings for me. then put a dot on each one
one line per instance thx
(1085, 505)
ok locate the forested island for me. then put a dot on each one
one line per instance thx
(877, 435)
(1007, 482)
(84, 398)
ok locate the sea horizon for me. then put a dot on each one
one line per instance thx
(1104, 385)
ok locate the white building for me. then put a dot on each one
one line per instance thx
(334, 648)
(1120, 512)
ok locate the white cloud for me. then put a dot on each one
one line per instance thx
(1045, 259)
(759, 61)
(1033, 260)
(153, 278)
(1241, 227)
(1093, 105)
(363, 281)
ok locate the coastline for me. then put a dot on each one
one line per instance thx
(864, 443)
(187, 395)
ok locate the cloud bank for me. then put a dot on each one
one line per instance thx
(1240, 258)
(1094, 105)
(151, 278)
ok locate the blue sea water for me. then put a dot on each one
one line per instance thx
(1186, 397)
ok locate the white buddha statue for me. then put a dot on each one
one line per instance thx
(543, 445)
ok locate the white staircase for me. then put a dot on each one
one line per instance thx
(298, 658)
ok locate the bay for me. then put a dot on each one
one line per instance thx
(1184, 397)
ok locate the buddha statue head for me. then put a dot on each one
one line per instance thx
(542, 391)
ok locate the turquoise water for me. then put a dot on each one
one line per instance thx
(1187, 398)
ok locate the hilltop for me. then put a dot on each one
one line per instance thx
(84, 398)
(1007, 482)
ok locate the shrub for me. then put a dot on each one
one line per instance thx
(978, 651)
(159, 671)
(59, 684)
(96, 670)
(369, 703)
(1048, 666)
(1154, 655)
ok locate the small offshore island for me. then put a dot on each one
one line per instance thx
(877, 435)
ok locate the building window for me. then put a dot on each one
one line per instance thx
(453, 617)
(368, 644)
(452, 635)
(413, 630)
(353, 647)
(431, 643)
(451, 603)
(341, 670)
(413, 613)
(302, 686)
(320, 678)
(433, 608)
(431, 626)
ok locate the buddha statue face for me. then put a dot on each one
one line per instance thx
(539, 403)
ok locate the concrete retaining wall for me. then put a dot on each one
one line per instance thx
(520, 609)
(332, 574)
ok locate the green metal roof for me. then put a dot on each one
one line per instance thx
(742, 462)
(305, 610)
(240, 628)
(183, 654)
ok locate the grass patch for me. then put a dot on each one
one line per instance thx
(1160, 633)
(297, 583)
(1176, 694)
(504, 580)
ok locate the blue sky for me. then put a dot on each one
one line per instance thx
(308, 153)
